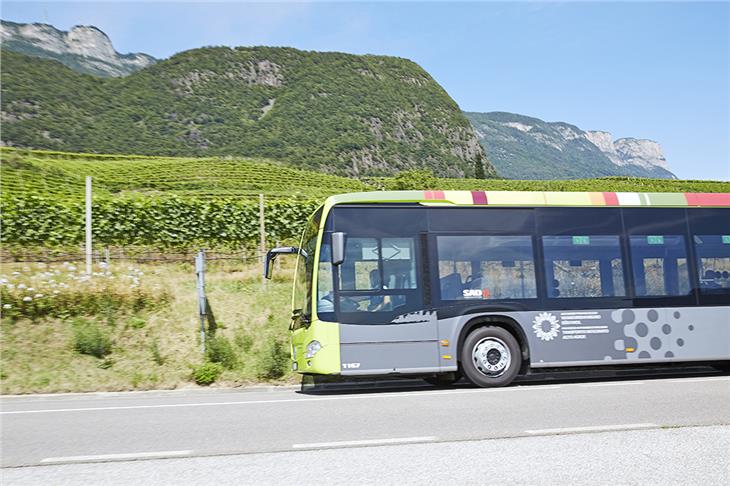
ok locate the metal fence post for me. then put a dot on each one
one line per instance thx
(88, 225)
(202, 307)
(262, 238)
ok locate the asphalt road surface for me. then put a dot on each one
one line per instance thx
(646, 431)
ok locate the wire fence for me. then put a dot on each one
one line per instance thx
(128, 255)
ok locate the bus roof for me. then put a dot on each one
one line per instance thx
(535, 198)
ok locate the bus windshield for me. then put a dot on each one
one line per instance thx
(301, 302)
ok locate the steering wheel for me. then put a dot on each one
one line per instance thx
(348, 304)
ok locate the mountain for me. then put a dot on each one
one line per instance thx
(338, 113)
(522, 147)
(85, 49)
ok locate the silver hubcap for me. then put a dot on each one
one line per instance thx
(491, 356)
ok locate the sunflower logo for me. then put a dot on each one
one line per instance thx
(546, 326)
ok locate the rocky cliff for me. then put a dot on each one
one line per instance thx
(522, 147)
(84, 48)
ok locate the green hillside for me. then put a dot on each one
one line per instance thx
(337, 113)
(60, 174)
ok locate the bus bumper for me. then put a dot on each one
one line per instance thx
(326, 360)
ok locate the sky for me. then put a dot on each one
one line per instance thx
(656, 70)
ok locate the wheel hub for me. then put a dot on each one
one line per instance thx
(491, 356)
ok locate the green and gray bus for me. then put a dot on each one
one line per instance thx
(492, 284)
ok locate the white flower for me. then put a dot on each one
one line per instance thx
(27, 298)
(22, 286)
(16, 273)
(31, 289)
(11, 286)
(38, 296)
(3, 280)
(56, 292)
(7, 306)
(72, 268)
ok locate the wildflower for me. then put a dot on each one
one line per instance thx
(16, 273)
(31, 289)
(38, 296)
(56, 292)
(72, 268)
(11, 286)
(3, 280)
(7, 306)
(21, 286)
(27, 298)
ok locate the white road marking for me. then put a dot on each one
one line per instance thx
(592, 428)
(117, 457)
(416, 394)
(351, 443)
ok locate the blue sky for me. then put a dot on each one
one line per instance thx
(646, 70)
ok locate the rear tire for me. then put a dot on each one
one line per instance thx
(490, 357)
(443, 379)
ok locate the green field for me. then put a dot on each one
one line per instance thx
(167, 202)
(61, 175)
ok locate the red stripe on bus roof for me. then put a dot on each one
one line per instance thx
(611, 198)
(479, 197)
(707, 199)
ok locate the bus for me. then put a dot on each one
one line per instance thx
(492, 284)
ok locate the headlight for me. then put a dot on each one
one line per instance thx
(312, 349)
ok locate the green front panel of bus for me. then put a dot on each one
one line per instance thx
(327, 360)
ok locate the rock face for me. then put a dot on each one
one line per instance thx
(521, 147)
(84, 48)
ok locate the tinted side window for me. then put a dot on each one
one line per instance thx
(659, 265)
(486, 267)
(713, 262)
(583, 266)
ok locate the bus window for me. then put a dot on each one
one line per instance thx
(713, 262)
(325, 295)
(486, 267)
(360, 270)
(659, 265)
(373, 269)
(583, 266)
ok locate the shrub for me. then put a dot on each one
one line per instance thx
(274, 360)
(156, 354)
(243, 340)
(207, 373)
(218, 349)
(90, 339)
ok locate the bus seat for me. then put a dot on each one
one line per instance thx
(451, 288)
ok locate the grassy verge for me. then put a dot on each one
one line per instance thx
(136, 347)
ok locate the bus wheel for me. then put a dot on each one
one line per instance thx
(490, 357)
(443, 379)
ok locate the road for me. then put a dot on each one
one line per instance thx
(658, 427)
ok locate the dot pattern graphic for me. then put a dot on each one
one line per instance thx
(652, 333)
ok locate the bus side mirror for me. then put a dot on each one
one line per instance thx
(272, 254)
(338, 248)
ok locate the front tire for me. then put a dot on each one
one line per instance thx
(490, 357)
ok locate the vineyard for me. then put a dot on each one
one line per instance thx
(60, 174)
(168, 202)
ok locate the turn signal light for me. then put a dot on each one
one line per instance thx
(630, 350)
(446, 356)
(444, 342)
